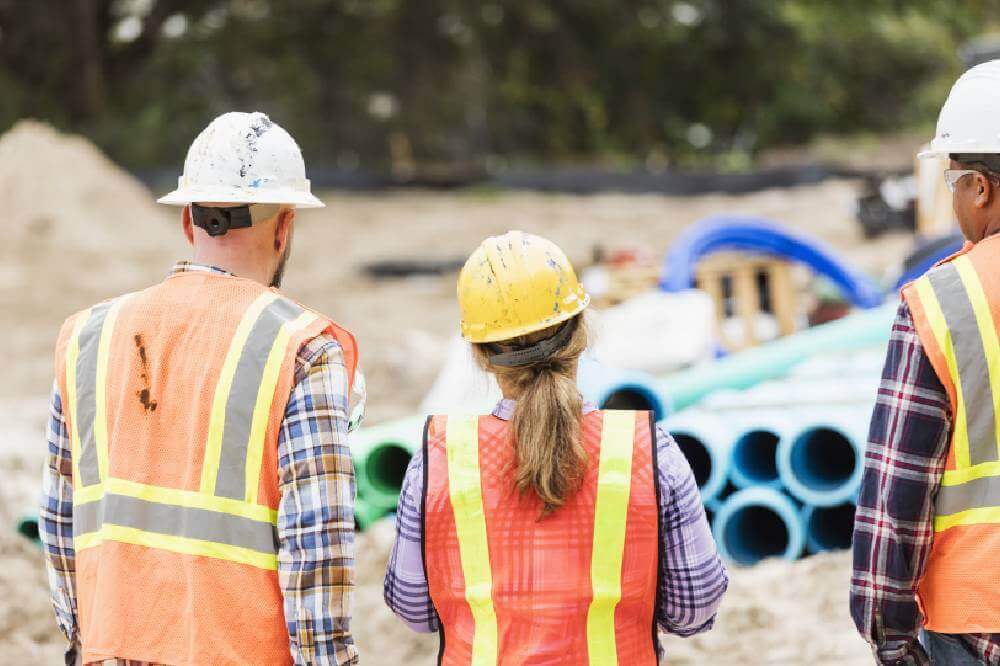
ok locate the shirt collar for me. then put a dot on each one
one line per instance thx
(505, 408)
(194, 267)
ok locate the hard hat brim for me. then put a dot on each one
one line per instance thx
(238, 195)
(510, 332)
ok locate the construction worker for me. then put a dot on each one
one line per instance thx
(927, 527)
(198, 497)
(549, 531)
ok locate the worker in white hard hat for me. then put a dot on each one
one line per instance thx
(198, 504)
(926, 583)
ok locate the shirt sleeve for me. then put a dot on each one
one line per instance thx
(56, 517)
(405, 590)
(893, 529)
(693, 578)
(316, 510)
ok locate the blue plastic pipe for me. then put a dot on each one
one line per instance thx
(613, 388)
(753, 458)
(821, 462)
(704, 439)
(758, 523)
(828, 527)
(724, 232)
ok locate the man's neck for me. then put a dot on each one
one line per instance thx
(241, 268)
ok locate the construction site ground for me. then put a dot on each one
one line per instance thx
(77, 230)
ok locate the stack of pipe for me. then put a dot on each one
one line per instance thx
(774, 435)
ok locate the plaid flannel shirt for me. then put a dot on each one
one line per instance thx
(693, 578)
(315, 514)
(894, 524)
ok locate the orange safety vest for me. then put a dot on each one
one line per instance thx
(576, 587)
(956, 307)
(173, 399)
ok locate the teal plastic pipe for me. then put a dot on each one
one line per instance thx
(775, 359)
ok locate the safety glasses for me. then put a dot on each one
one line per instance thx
(952, 176)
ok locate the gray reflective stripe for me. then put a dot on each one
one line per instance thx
(974, 494)
(181, 521)
(86, 393)
(970, 357)
(231, 478)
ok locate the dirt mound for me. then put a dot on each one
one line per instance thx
(63, 187)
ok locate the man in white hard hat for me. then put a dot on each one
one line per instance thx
(198, 504)
(927, 527)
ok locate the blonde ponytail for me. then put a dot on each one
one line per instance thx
(549, 454)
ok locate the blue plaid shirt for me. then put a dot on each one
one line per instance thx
(315, 515)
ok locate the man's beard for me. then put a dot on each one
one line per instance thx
(279, 272)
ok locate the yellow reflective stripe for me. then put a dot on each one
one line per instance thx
(101, 389)
(72, 355)
(614, 484)
(217, 417)
(987, 329)
(955, 477)
(462, 444)
(186, 498)
(175, 544)
(939, 327)
(265, 396)
(977, 516)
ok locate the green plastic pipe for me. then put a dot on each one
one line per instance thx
(775, 359)
(365, 514)
(381, 454)
(27, 526)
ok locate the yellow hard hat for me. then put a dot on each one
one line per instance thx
(517, 284)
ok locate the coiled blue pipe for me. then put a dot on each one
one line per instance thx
(758, 523)
(724, 232)
(828, 528)
(704, 439)
(821, 462)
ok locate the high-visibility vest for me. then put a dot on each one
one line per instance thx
(173, 398)
(578, 586)
(955, 308)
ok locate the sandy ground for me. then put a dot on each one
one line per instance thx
(78, 230)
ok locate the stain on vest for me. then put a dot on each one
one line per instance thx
(144, 397)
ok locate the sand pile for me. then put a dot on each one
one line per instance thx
(77, 229)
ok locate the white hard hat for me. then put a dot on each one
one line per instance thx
(970, 118)
(243, 158)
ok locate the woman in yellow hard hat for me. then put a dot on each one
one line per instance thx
(548, 531)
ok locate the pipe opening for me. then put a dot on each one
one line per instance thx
(697, 456)
(28, 528)
(755, 456)
(755, 532)
(823, 459)
(634, 398)
(831, 528)
(386, 467)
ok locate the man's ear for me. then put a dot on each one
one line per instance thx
(283, 228)
(188, 226)
(985, 191)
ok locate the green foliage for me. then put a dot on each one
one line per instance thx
(385, 83)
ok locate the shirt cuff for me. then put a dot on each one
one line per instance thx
(902, 653)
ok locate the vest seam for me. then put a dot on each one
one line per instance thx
(423, 532)
(659, 531)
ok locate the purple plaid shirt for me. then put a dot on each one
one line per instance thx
(894, 524)
(692, 576)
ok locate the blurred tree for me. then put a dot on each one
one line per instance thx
(390, 84)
